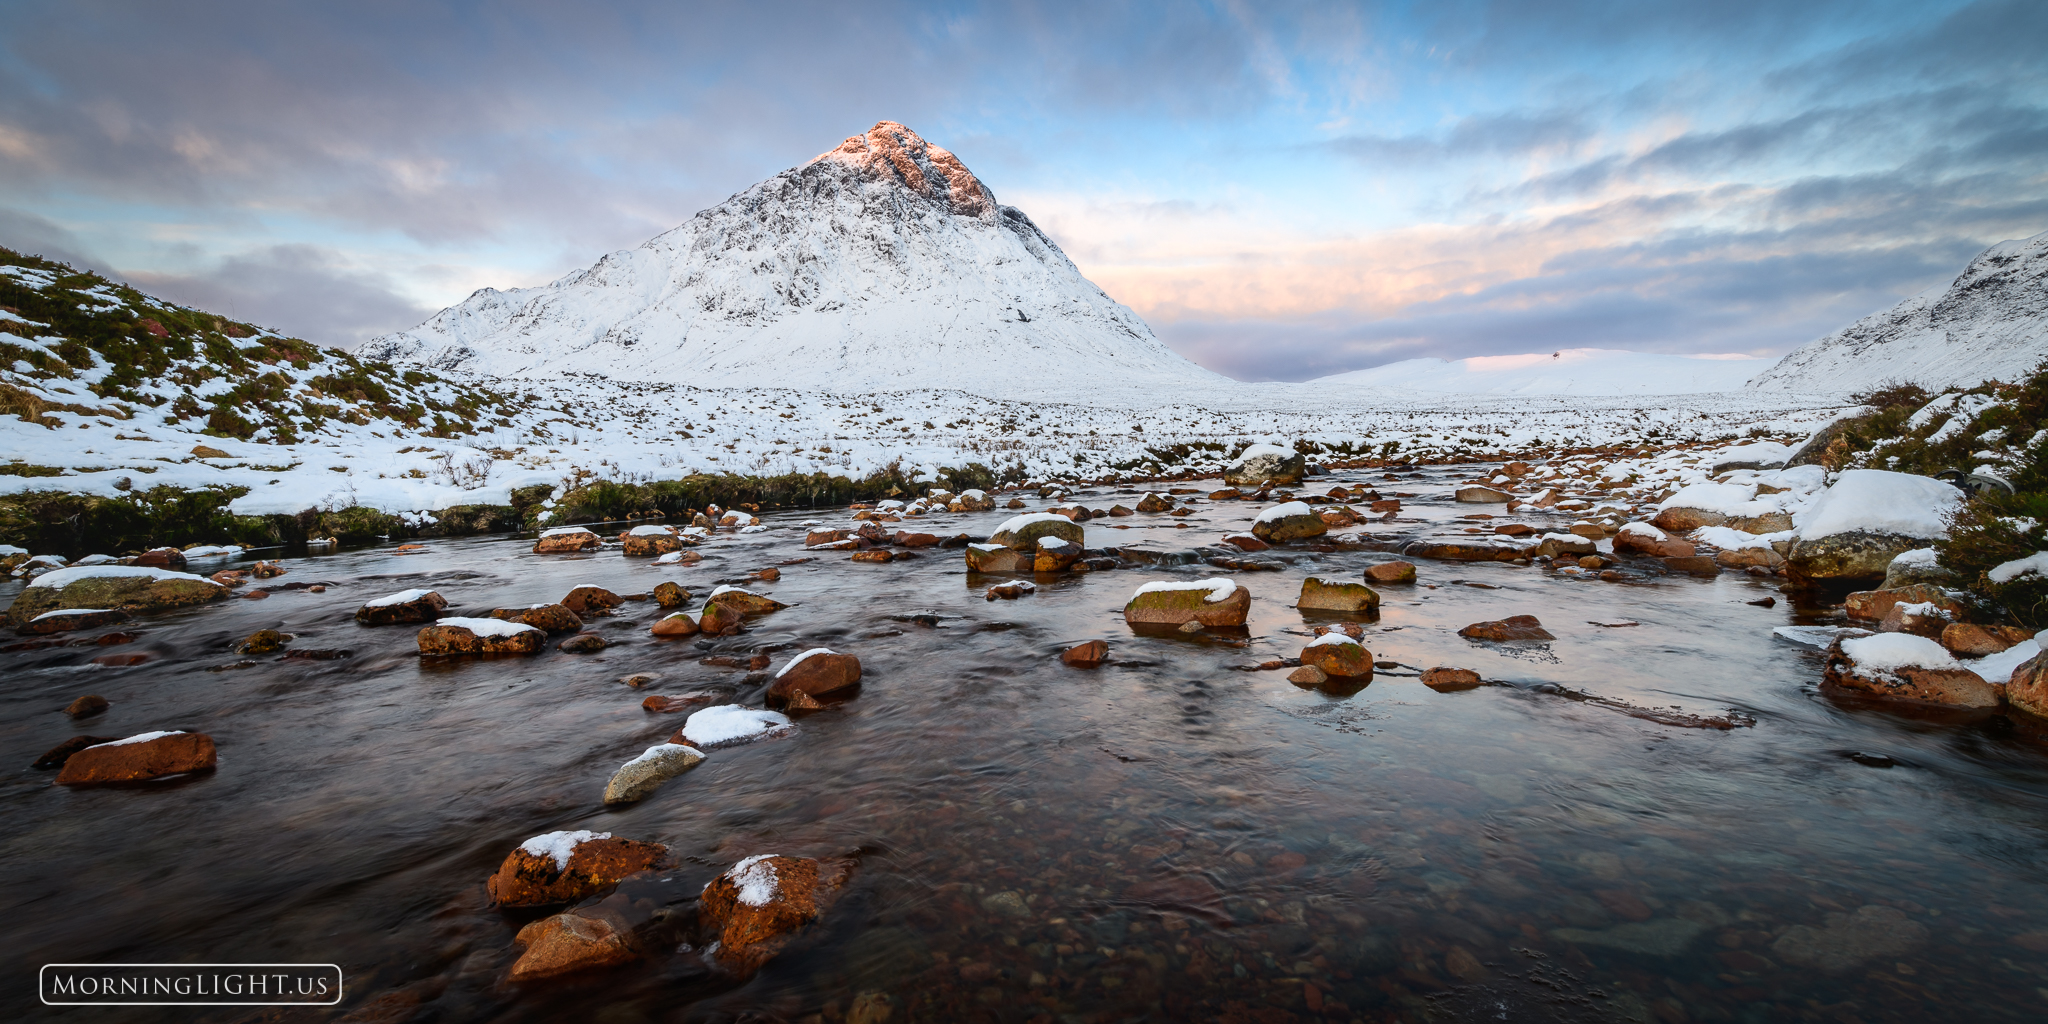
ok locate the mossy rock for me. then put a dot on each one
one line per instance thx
(1320, 595)
(1854, 555)
(128, 593)
(1025, 537)
(1178, 607)
(1290, 528)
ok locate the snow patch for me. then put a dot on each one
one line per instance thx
(66, 577)
(560, 845)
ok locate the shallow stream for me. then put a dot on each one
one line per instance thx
(1173, 836)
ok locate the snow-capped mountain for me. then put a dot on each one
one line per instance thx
(1572, 371)
(881, 264)
(1991, 323)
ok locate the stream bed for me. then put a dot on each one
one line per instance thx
(1173, 836)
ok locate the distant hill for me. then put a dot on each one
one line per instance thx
(1588, 372)
(882, 264)
(1990, 323)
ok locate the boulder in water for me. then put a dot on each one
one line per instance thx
(1288, 521)
(637, 779)
(480, 636)
(1217, 601)
(1263, 464)
(1339, 657)
(151, 755)
(1904, 667)
(553, 618)
(127, 588)
(756, 907)
(566, 540)
(1514, 627)
(818, 672)
(417, 605)
(564, 867)
(1391, 572)
(580, 940)
(1322, 595)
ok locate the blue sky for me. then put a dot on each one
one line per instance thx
(1282, 190)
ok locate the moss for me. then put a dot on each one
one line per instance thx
(29, 469)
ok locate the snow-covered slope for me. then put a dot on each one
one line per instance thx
(881, 264)
(1991, 323)
(1574, 371)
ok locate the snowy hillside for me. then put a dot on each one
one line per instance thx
(881, 264)
(1991, 323)
(1573, 371)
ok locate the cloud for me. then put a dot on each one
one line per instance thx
(35, 235)
(286, 285)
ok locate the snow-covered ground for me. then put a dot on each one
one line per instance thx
(1573, 371)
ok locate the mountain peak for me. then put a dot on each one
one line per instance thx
(891, 152)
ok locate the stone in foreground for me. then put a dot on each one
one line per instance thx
(1320, 595)
(755, 908)
(566, 540)
(1289, 521)
(151, 755)
(1904, 667)
(1339, 657)
(1391, 572)
(128, 588)
(418, 605)
(480, 636)
(637, 779)
(1450, 680)
(1214, 602)
(580, 940)
(818, 672)
(1088, 654)
(564, 867)
(1514, 627)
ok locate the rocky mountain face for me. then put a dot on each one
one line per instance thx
(881, 264)
(1991, 323)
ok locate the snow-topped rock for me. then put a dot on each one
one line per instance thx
(881, 264)
(1990, 323)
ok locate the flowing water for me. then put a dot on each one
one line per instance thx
(1172, 836)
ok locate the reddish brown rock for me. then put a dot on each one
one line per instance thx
(1185, 605)
(554, 618)
(771, 574)
(1928, 620)
(57, 755)
(1686, 520)
(1391, 572)
(1338, 656)
(267, 570)
(754, 909)
(1154, 503)
(816, 537)
(1514, 627)
(1055, 555)
(1743, 558)
(1008, 591)
(589, 602)
(659, 540)
(137, 758)
(994, 558)
(583, 643)
(816, 673)
(916, 540)
(719, 619)
(533, 876)
(1644, 539)
(1385, 505)
(1874, 605)
(1449, 680)
(121, 660)
(1938, 681)
(162, 558)
(1514, 529)
(670, 595)
(1086, 655)
(745, 602)
(2027, 689)
(1246, 542)
(1337, 517)
(425, 607)
(678, 624)
(1225, 494)
(566, 541)
(1974, 641)
(581, 940)
(479, 636)
(65, 620)
(1308, 675)
(87, 706)
(874, 555)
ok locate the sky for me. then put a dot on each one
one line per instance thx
(1282, 190)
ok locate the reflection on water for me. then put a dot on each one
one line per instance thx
(1174, 836)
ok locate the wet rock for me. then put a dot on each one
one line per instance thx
(267, 570)
(1154, 503)
(1339, 657)
(1477, 495)
(1288, 521)
(55, 757)
(566, 540)
(1209, 603)
(1846, 940)
(263, 641)
(1318, 594)
(553, 618)
(995, 558)
(580, 940)
(757, 906)
(1246, 542)
(916, 540)
(1567, 544)
(317, 653)
(1386, 505)
(1015, 503)
(256, 595)
(1514, 627)
(1120, 511)
(719, 619)
(151, 755)
(1696, 565)
(874, 555)
(1450, 680)
(480, 636)
(649, 541)
(1263, 464)
(565, 867)
(1743, 558)
(162, 558)
(1866, 519)
(1686, 520)
(1009, 591)
(1974, 641)
(1021, 533)
(120, 660)
(87, 706)
(1904, 667)
(1308, 675)
(1465, 551)
(1928, 619)
(1055, 555)
(745, 602)
(677, 624)
(2027, 687)
(112, 587)
(639, 778)
(1514, 529)
(404, 606)
(1391, 572)
(63, 620)
(1644, 539)
(972, 500)
(1845, 556)
(818, 672)
(583, 643)
(1086, 655)
(589, 602)
(819, 537)
(1876, 605)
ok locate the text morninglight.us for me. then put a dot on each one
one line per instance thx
(191, 984)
